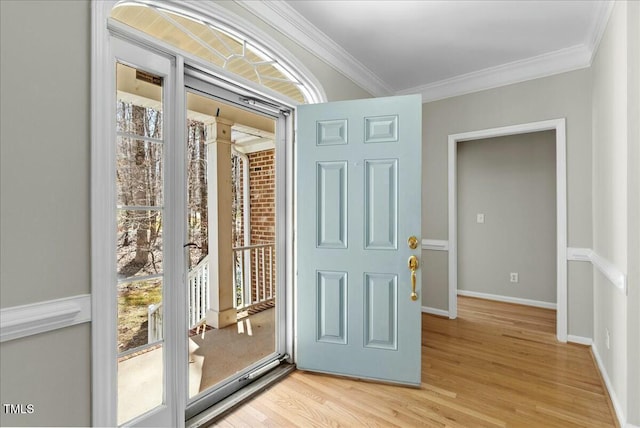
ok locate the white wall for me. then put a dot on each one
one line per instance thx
(615, 204)
(511, 180)
(565, 95)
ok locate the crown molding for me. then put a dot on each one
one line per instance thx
(548, 64)
(283, 18)
(599, 21)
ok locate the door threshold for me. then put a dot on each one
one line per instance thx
(215, 412)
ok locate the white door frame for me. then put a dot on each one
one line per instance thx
(557, 125)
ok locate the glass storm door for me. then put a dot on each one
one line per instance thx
(234, 263)
(359, 203)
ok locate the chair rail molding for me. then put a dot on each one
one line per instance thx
(606, 268)
(34, 318)
(435, 244)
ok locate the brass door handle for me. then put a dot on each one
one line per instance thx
(413, 266)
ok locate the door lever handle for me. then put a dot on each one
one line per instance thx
(413, 267)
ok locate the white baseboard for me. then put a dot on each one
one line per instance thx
(580, 340)
(435, 311)
(612, 394)
(26, 320)
(507, 299)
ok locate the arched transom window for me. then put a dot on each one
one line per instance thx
(216, 44)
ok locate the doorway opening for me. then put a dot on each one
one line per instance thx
(507, 219)
(232, 279)
(557, 125)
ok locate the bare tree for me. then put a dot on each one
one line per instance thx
(139, 176)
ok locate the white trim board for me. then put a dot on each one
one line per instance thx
(548, 64)
(580, 340)
(27, 320)
(557, 125)
(508, 299)
(606, 268)
(607, 382)
(435, 244)
(435, 311)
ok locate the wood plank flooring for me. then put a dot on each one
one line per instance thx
(497, 365)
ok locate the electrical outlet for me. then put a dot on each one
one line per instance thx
(513, 277)
(607, 338)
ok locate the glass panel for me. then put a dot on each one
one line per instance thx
(139, 243)
(139, 246)
(197, 191)
(139, 102)
(139, 172)
(246, 332)
(140, 382)
(140, 350)
(210, 43)
(138, 303)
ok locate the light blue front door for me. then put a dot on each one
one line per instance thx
(358, 202)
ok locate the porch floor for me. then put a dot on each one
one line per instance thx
(214, 355)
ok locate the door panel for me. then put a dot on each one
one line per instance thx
(332, 204)
(359, 199)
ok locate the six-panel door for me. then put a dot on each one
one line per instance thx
(358, 201)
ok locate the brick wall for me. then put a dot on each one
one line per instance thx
(263, 219)
(263, 203)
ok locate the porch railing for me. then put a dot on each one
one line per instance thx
(254, 274)
(154, 325)
(198, 292)
(254, 280)
(254, 283)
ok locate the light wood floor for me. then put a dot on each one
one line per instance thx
(497, 365)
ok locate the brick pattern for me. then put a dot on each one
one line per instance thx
(263, 218)
(263, 203)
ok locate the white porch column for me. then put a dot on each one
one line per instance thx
(220, 312)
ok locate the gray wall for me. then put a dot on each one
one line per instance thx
(565, 95)
(45, 202)
(512, 181)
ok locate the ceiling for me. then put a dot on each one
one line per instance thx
(442, 48)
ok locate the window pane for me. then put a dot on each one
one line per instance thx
(210, 43)
(139, 184)
(139, 243)
(139, 172)
(140, 370)
(139, 102)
